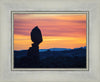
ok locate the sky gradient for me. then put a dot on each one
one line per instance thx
(58, 30)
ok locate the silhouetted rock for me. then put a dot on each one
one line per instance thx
(36, 35)
(33, 52)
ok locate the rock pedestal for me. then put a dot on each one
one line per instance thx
(33, 52)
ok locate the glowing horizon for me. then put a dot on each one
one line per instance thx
(58, 30)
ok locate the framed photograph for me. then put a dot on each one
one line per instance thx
(50, 40)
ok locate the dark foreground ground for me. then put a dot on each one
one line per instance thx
(75, 58)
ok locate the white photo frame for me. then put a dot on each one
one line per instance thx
(50, 12)
(6, 6)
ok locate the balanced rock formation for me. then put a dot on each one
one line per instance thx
(36, 35)
(33, 52)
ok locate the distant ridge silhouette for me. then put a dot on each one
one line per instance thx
(74, 58)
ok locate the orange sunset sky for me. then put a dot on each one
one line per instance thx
(58, 30)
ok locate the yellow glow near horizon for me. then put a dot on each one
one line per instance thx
(49, 42)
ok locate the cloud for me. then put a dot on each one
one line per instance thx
(66, 25)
